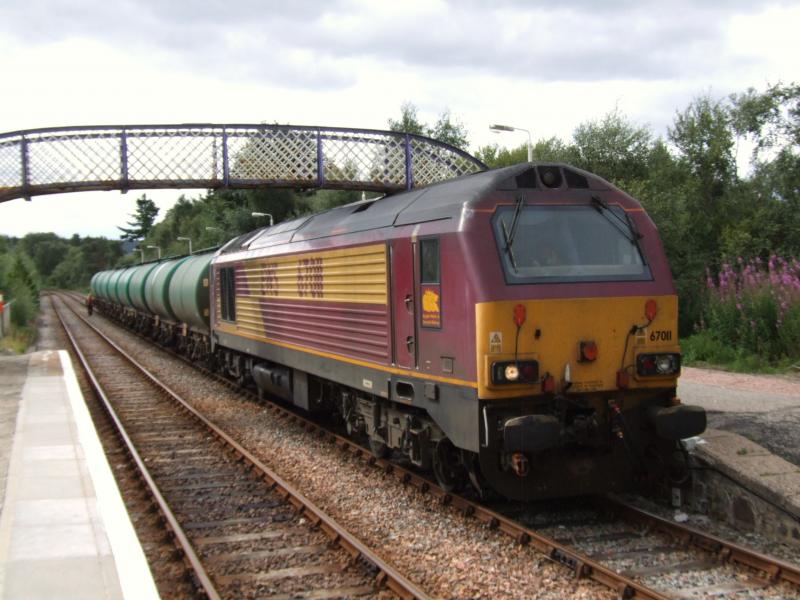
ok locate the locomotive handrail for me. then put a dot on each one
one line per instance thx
(56, 160)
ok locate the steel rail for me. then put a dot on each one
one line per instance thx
(777, 570)
(388, 575)
(581, 565)
(181, 539)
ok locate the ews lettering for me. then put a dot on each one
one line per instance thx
(309, 278)
(269, 281)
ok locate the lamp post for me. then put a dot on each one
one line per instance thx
(501, 128)
(186, 239)
(157, 248)
(217, 229)
(260, 214)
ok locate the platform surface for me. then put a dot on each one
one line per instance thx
(64, 531)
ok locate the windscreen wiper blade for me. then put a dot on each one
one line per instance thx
(508, 244)
(509, 234)
(515, 220)
(625, 227)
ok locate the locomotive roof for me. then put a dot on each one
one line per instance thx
(442, 200)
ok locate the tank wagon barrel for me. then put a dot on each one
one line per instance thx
(513, 329)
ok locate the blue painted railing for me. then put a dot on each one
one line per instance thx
(75, 159)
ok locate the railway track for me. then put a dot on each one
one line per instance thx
(631, 551)
(241, 530)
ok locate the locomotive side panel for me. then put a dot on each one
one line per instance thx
(331, 301)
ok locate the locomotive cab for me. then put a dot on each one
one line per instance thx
(576, 338)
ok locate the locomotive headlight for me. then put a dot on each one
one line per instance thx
(658, 364)
(511, 373)
(665, 364)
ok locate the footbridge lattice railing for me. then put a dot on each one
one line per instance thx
(74, 159)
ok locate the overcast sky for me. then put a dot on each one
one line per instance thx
(543, 66)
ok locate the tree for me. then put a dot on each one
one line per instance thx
(143, 219)
(45, 250)
(613, 148)
(703, 135)
(409, 121)
(446, 129)
(449, 131)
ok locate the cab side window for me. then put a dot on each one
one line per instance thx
(227, 293)
(429, 258)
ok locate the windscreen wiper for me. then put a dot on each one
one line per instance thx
(624, 226)
(509, 234)
(508, 244)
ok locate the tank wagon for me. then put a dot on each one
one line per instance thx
(516, 328)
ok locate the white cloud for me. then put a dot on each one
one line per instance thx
(352, 63)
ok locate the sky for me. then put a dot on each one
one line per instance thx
(541, 66)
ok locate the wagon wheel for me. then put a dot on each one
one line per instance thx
(447, 465)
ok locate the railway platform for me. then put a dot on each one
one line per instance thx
(64, 530)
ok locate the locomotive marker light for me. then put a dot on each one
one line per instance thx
(588, 351)
(519, 315)
(650, 310)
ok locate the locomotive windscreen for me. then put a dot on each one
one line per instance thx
(551, 244)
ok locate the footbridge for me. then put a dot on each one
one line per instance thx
(36, 162)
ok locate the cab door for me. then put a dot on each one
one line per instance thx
(402, 256)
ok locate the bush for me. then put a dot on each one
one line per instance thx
(753, 309)
(24, 308)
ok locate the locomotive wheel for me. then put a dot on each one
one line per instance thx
(378, 448)
(447, 466)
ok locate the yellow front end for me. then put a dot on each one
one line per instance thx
(552, 332)
(578, 395)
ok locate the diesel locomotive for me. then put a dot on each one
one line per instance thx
(514, 328)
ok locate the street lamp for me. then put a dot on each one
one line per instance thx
(186, 239)
(157, 248)
(501, 128)
(217, 229)
(259, 214)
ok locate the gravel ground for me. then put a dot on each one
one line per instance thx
(448, 555)
(762, 408)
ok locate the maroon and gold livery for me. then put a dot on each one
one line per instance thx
(517, 328)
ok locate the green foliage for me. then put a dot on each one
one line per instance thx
(703, 135)
(613, 148)
(45, 250)
(19, 283)
(445, 129)
(143, 219)
(409, 121)
(753, 309)
(547, 150)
